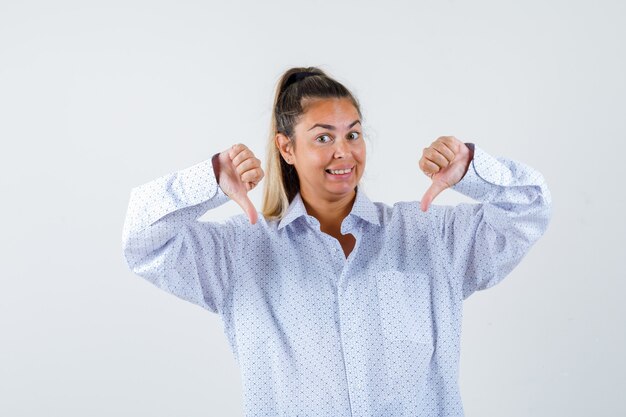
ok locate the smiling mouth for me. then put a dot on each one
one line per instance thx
(339, 171)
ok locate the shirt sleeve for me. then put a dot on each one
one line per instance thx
(486, 241)
(163, 241)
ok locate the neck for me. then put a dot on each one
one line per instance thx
(330, 213)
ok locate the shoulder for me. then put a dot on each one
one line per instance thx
(409, 212)
(239, 226)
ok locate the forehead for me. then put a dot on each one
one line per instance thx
(334, 111)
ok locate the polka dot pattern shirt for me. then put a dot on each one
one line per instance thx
(315, 333)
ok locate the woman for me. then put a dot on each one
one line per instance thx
(335, 305)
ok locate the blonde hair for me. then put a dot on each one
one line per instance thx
(295, 87)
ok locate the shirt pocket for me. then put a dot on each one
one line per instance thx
(407, 332)
(405, 307)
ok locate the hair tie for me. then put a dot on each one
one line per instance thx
(298, 76)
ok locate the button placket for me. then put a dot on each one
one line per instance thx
(345, 339)
(347, 318)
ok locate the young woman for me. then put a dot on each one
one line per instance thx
(335, 305)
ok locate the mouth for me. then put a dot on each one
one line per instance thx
(340, 173)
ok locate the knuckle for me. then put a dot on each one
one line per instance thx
(446, 140)
(451, 140)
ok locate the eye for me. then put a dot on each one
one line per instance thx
(322, 140)
(354, 135)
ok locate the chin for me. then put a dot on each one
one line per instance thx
(344, 189)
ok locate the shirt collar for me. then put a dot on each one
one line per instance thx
(363, 208)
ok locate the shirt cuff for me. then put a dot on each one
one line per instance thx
(198, 184)
(486, 176)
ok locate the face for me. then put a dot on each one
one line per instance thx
(329, 155)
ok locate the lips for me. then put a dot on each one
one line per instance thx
(340, 170)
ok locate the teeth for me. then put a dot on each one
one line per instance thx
(340, 171)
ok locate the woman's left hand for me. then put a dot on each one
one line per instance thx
(445, 161)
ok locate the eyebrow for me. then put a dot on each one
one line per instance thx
(331, 127)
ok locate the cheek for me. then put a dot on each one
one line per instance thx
(360, 154)
(311, 161)
(317, 159)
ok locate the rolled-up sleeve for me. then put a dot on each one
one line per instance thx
(485, 241)
(163, 241)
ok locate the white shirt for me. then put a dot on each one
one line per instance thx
(316, 334)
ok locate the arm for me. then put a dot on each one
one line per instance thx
(164, 243)
(486, 241)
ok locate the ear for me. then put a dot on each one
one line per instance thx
(284, 145)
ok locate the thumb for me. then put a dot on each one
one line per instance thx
(433, 191)
(244, 202)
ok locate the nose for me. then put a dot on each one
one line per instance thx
(342, 148)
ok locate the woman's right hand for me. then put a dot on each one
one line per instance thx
(238, 171)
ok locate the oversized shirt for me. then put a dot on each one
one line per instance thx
(376, 334)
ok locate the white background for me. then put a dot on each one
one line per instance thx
(98, 97)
